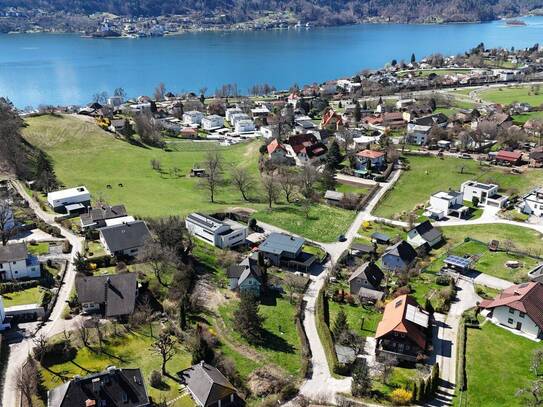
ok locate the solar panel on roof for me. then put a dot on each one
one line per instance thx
(458, 261)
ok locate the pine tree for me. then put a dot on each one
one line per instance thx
(248, 321)
(415, 393)
(44, 172)
(413, 59)
(333, 157)
(365, 105)
(422, 391)
(201, 349)
(361, 379)
(357, 111)
(340, 324)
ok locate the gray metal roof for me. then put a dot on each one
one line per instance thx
(278, 243)
(125, 236)
(206, 384)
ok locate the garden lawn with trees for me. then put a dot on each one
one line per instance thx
(511, 94)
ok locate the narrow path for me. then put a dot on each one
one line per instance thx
(55, 325)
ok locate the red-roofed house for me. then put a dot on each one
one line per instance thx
(307, 148)
(403, 330)
(276, 150)
(509, 157)
(519, 307)
(368, 159)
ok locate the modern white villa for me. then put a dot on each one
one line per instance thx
(443, 204)
(212, 122)
(193, 118)
(487, 194)
(214, 231)
(69, 200)
(532, 203)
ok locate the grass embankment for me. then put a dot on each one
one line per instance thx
(29, 296)
(511, 94)
(428, 175)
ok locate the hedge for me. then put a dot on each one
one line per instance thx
(11, 287)
(461, 381)
(306, 349)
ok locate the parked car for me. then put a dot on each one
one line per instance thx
(465, 156)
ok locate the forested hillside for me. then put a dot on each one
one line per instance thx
(325, 12)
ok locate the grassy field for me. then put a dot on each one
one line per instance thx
(497, 365)
(84, 154)
(508, 95)
(523, 118)
(351, 189)
(29, 296)
(428, 175)
(324, 224)
(38, 249)
(128, 350)
(355, 315)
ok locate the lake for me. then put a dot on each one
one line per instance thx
(66, 69)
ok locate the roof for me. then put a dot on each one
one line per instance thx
(404, 315)
(509, 155)
(365, 292)
(125, 236)
(116, 291)
(403, 250)
(278, 243)
(427, 231)
(434, 119)
(205, 221)
(372, 154)
(371, 271)
(206, 384)
(526, 297)
(457, 261)
(67, 193)
(364, 248)
(13, 252)
(274, 145)
(380, 236)
(110, 386)
(333, 195)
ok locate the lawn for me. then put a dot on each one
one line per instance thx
(368, 228)
(523, 118)
(283, 345)
(356, 314)
(511, 94)
(38, 249)
(83, 154)
(428, 175)
(324, 223)
(129, 350)
(29, 296)
(497, 365)
(352, 189)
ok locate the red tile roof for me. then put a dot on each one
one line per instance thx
(512, 156)
(370, 154)
(527, 298)
(274, 145)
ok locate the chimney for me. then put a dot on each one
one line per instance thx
(96, 385)
(90, 403)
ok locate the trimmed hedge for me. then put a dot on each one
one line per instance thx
(306, 350)
(461, 380)
(11, 287)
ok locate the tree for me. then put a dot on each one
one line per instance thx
(333, 157)
(200, 348)
(172, 233)
(340, 324)
(429, 307)
(358, 112)
(475, 201)
(158, 257)
(243, 180)
(271, 190)
(80, 263)
(413, 58)
(328, 179)
(387, 366)
(119, 92)
(14, 152)
(160, 91)
(127, 130)
(148, 130)
(44, 173)
(307, 179)
(7, 223)
(537, 360)
(361, 379)
(247, 319)
(287, 182)
(26, 381)
(213, 165)
(165, 347)
(293, 284)
(532, 395)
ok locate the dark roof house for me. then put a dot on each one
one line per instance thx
(125, 238)
(399, 257)
(113, 388)
(424, 233)
(208, 386)
(13, 252)
(96, 217)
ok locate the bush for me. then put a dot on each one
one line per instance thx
(443, 280)
(155, 379)
(401, 397)
(288, 392)
(11, 287)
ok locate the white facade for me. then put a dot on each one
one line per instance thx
(244, 126)
(20, 269)
(268, 132)
(214, 232)
(443, 203)
(236, 117)
(115, 101)
(515, 319)
(418, 134)
(59, 199)
(212, 122)
(532, 203)
(171, 123)
(231, 111)
(487, 194)
(193, 118)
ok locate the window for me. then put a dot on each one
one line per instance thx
(521, 314)
(125, 397)
(510, 321)
(511, 311)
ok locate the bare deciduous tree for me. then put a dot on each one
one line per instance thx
(26, 382)
(7, 223)
(160, 91)
(243, 180)
(271, 190)
(213, 164)
(307, 179)
(158, 257)
(165, 347)
(287, 182)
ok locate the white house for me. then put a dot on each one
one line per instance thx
(215, 232)
(244, 126)
(269, 132)
(532, 203)
(212, 122)
(260, 112)
(443, 204)
(16, 263)
(487, 194)
(418, 134)
(236, 117)
(69, 200)
(115, 101)
(424, 233)
(171, 123)
(231, 111)
(519, 308)
(193, 118)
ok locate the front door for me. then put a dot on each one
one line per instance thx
(519, 325)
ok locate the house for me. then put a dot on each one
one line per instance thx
(109, 295)
(115, 101)
(399, 257)
(244, 126)
(69, 200)
(403, 330)
(393, 120)
(419, 128)
(232, 111)
(505, 157)
(16, 263)
(214, 231)
(536, 274)
(246, 277)
(365, 282)
(333, 197)
(536, 157)
(380, 238)
(260, 112)
(487, 194)
(269, 132)
(370, 159)
(212, 122)
(97, 217)
(188, 132)
(276, 150)
(424, 233)
(281, 249)
(443, 204)
(113, 387)
(208, 387)
(193, 118)
(126, 239)
(236, 117)
(519, 307)
(532, 203)
(306, 148)
(4, 324)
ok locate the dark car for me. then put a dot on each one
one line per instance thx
(342, 238)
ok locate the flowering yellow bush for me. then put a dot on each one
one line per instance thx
(401, 397)
(92, 266)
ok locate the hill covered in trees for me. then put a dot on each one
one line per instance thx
(320, 12)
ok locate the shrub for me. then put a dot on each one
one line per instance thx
(288, 392)
(155, 379)
(443, 280)
(401, 397)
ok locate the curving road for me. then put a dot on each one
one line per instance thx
(55, 324)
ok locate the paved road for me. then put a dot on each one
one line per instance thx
(55, 325)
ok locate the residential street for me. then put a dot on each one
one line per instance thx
(20, 350)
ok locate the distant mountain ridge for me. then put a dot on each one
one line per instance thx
(320, 12)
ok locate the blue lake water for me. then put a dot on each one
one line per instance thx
(66, 69)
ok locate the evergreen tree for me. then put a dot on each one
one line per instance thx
(358, 112)
(361, 379)
(128, 130)
(333, 158)
(428, 306)
(413, 59)
(365, 105)
(422, 391)
(415, 393)
(248, 321)
(80, 263)
(328, 179)
(44, 172)
(433, 104)
(340, 324)
(201, 349)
